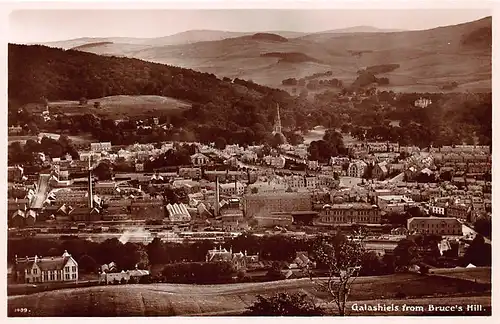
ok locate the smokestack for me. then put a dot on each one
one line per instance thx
(216, 208)
(91, 197)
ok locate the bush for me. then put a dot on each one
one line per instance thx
(275, 272)
(285, 304)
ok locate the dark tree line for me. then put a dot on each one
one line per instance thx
(27, 154)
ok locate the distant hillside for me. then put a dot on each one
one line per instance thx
(362, 29)
(90, 45)
(194, 36)
(427, 59)
(71, 43)
(269, 37)
(291, 57)
(37, 72)
(481, 37)
(383, 68)
(187, 37)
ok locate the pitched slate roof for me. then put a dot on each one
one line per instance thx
(19, 213)
(45, 264)
(52, 263)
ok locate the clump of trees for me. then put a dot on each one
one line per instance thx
(285, 304)
(126, 256)
(27, 153)
(198, 272)
(483, 226)
(332, 144)
(478, 253)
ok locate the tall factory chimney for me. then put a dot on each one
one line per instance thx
(91, 196)
(217, 198)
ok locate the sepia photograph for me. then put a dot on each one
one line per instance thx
(241, 161)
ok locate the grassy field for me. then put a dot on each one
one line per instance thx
(124, 106)
(481, 274)
(177, 299)
(81, 139)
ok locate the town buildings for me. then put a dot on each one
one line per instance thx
(349, 213)
(178, 213)
(435, 225)
(264, 204)
(100, 147)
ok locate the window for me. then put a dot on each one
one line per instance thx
(52, 276)
(59, 275)
(73, 268)
(35, 271)
(28, 271)
(67, 276)
(73, 276)
(66, 269)
(45, 276)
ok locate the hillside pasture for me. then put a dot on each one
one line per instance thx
(480, 274)
(180, 299)
(123, 106)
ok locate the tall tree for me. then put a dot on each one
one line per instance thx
(342, 259)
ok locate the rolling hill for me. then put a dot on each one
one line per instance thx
(179, 299)
(187, 37)
(427, 58)
(361, 29)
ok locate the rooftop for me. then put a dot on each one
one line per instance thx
(355, 205)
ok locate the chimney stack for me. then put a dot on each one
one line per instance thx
(216, 208)
(91, 198)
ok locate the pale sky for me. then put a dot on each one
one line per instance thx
(28, 26)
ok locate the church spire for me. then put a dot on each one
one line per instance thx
(277, 124)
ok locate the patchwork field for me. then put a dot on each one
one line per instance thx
(232, 299)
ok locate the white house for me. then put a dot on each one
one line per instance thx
(275, 161)
(199, 159)
(100, 147)
(356, 169)
(232, 188)
(46, 269)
